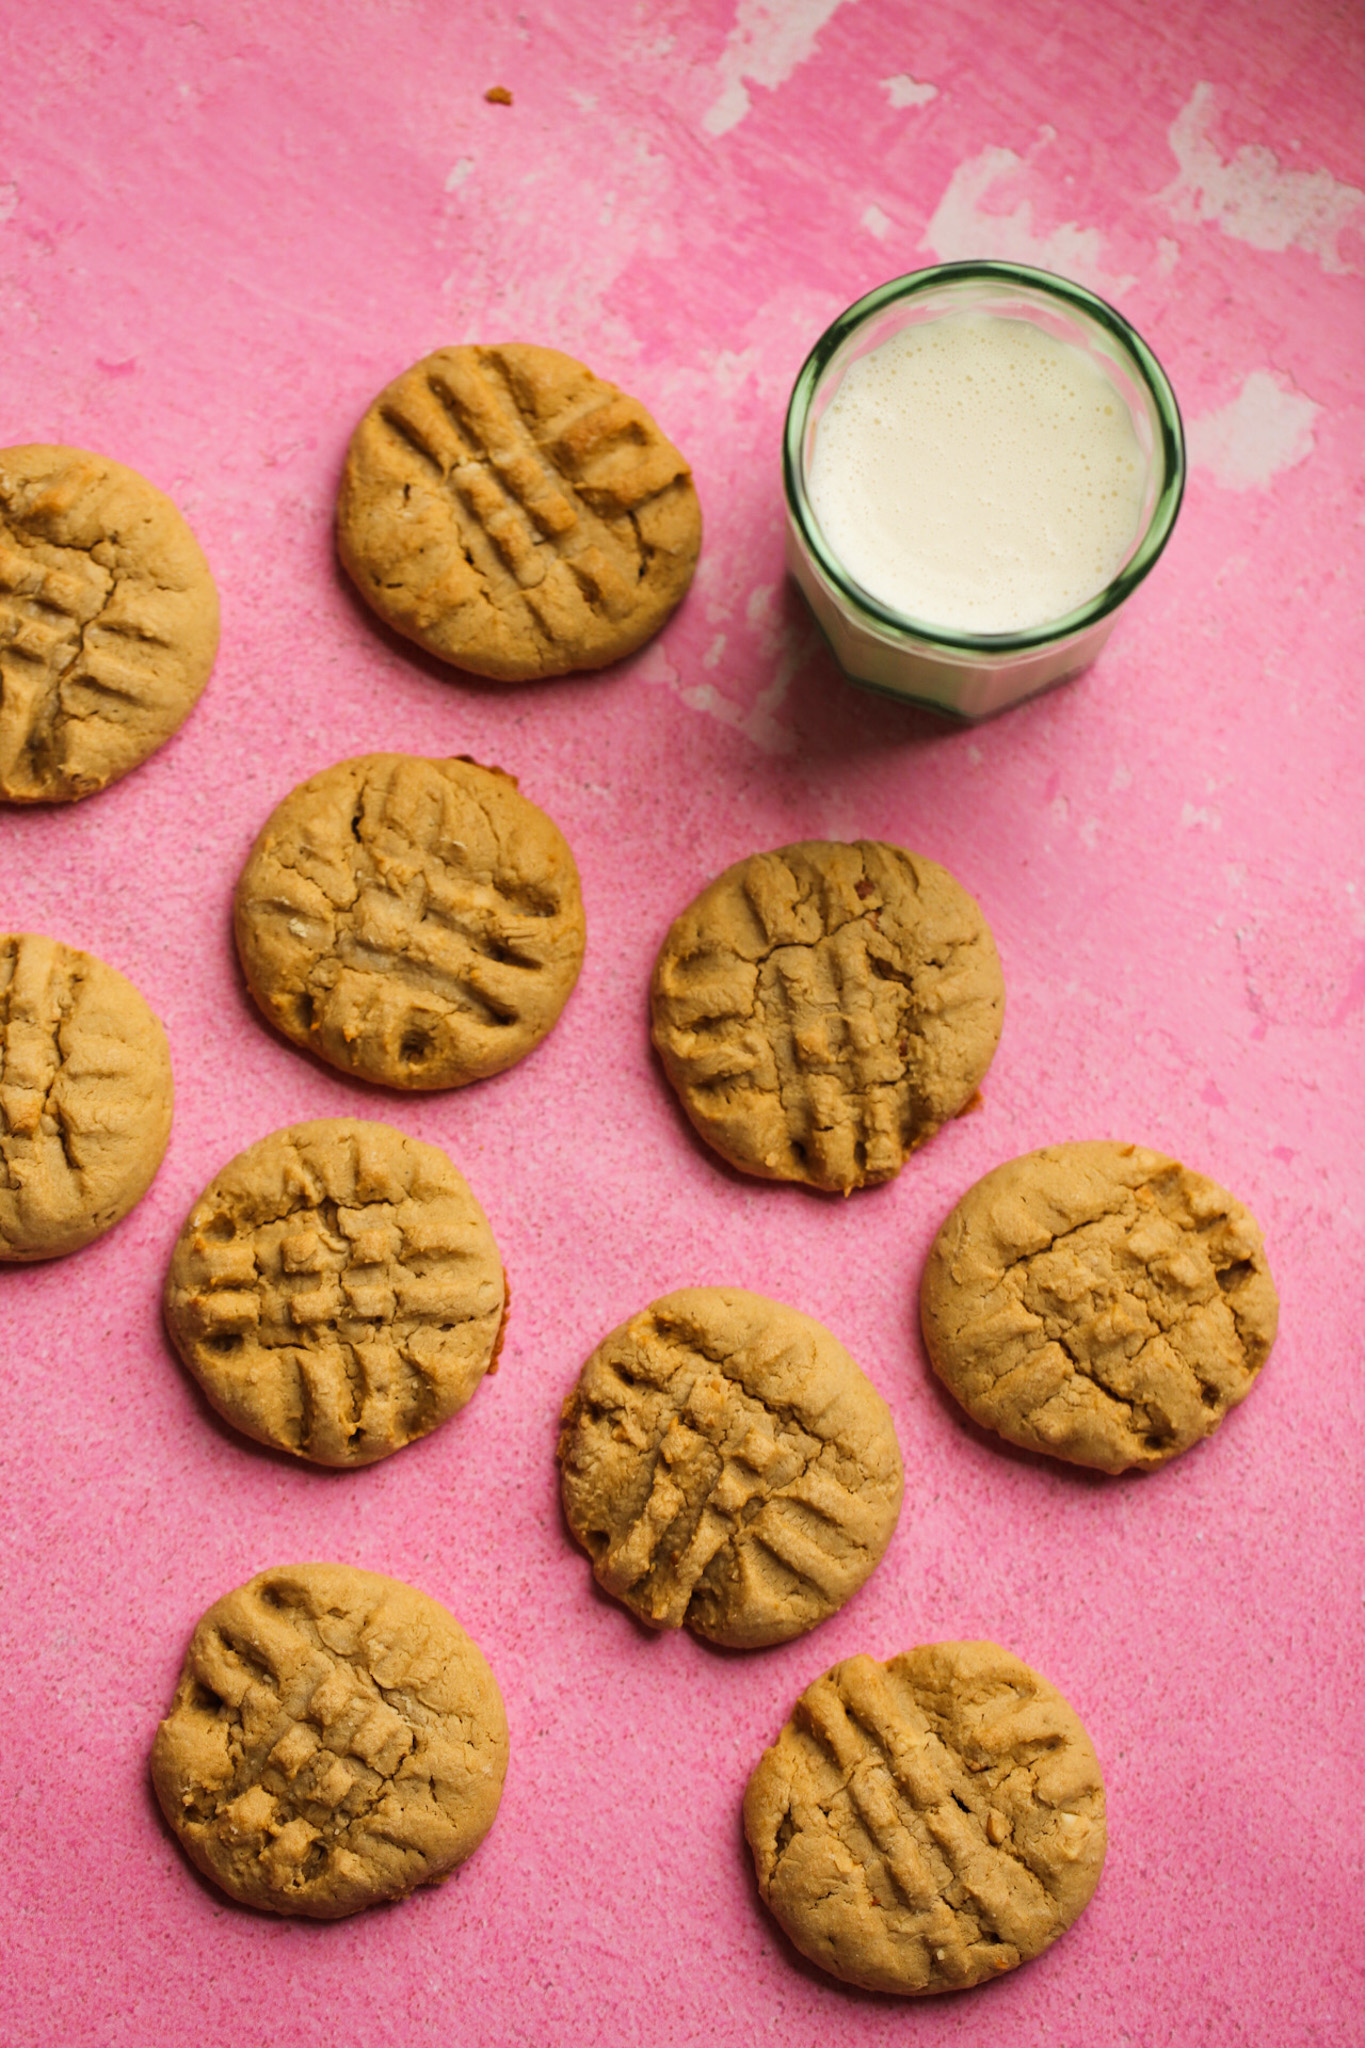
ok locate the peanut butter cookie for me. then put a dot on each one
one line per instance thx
(515, 515)
(928, 1823)
(336, 1291)
(727, 1465)
(823, 1009)
(85, 1097)
(1100, 1302)
(414, 922)
(108, 622)
(335, 1739)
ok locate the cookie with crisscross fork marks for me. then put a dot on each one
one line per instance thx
(516, 515)
(108, 622)
(415, 922)
(336, 1291)
(823, 1009)
(926, 1824)
(726, 1465)
(335, 1739)
(1099, 1301)
(85, 1096)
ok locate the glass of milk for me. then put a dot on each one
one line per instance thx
(982, 462)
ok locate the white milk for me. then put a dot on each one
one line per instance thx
(978, 474)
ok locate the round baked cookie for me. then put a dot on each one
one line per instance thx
(1100, 1302)
(415, 922)
(336, 1291)
(85, 1097)
(928, 1823)
(336, 1739)
(726, 1465)
(823, 1009)
(516, 515)
(108, 622)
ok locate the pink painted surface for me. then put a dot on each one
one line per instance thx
(224, 227)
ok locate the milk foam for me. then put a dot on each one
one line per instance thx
(977, 473)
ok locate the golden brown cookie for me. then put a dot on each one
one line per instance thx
(928, 1823)
(415, 922)
(108, 622)
(726, 1464)
(335, 1739)
(516, 515)
(1100, 1302)
(823, 1009)
(85, 1097)
(336, 1291)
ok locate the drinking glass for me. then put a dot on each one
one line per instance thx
(973, 675)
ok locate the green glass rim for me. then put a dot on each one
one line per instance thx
(1170, 447)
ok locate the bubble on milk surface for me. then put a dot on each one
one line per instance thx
(978, 473)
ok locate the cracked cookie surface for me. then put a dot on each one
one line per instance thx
(516, 515)
(1100, 1302)
(108, 622)
(85, 1097)
(929, 1823)
(727, 1466)
(823, 1009)
(336, 1291)
(416, 922)
(335, 1739)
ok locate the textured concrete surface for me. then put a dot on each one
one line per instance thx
(224, 227)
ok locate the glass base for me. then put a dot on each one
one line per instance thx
(969, 687)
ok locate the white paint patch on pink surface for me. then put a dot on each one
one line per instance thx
(904, 91)
(876, 223)
(9, 201)
(759, 370)
(1250, 195)
(963, 228)
(756, 720)
(1264, 430)
(757, 723)
(769, 40)
(566, 305)
(783, 643)
(771, 642)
